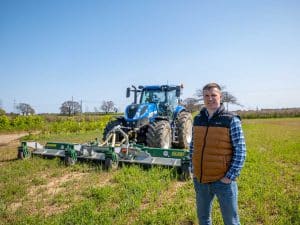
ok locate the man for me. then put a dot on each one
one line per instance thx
(218, 153)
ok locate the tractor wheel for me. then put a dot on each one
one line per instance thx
(185, 126)
(110, 125)
(159, 134)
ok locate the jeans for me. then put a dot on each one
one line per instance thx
(227, 195)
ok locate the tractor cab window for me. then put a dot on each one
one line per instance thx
(172, 99)
(152, 96)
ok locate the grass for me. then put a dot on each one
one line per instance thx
(38, 191)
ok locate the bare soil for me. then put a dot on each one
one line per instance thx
(5, 139)
(8, 146)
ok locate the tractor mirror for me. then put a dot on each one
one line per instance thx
(127, 92)
(177, 92)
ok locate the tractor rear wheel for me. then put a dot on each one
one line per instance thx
(159, 134)
(110, 125)
(185, 126)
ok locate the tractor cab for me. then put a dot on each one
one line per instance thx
(165, 98)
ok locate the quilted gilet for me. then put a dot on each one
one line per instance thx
(212, 145)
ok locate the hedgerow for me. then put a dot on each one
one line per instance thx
(56, 124)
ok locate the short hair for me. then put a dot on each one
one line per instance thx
(211, 85)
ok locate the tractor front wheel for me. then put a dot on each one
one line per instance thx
(109, 127)
(185, 126)
(159, 134)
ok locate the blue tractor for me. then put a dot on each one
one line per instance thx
(157, 119)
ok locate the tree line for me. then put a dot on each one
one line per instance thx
(68, 108)
(71, 107)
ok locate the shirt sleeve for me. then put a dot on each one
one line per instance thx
(239, 149)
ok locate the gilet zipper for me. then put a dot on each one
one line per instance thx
(202, 153)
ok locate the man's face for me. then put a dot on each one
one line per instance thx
(212, 98)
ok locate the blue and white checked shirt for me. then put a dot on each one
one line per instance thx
(239, 149)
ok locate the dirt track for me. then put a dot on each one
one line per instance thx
(7, 138)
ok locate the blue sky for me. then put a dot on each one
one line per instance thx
(92, 50)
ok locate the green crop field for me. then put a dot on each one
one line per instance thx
(38, 191)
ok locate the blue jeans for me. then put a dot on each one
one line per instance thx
(227, 195)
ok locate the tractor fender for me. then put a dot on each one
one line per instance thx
(178, 110)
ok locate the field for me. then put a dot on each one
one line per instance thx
(38, 191)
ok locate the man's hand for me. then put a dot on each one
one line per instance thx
(225, 180)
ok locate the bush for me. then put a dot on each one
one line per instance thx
(54, 124)
(2, 112)
(4, 123)
(21, 123)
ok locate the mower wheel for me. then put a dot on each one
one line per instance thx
(69, 161)
(109, 164)
(184, 173)
(20, 155)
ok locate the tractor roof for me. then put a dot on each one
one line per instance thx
(160, 87)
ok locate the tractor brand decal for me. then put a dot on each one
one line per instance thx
(165, 153)
(178, 154)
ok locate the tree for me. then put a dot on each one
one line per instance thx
(227, 97)
(2, 112)
(70, 108)
(25, 109)
(191, 104)
(108, 106)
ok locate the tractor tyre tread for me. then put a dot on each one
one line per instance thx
(185, 122)
(110, 125)
(159, 134)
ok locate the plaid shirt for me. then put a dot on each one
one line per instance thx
(238, 147)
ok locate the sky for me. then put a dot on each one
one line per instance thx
(54, 50)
